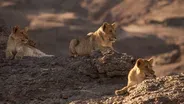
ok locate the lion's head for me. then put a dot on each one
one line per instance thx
(21, 36)
(146, 67)
(109, 31)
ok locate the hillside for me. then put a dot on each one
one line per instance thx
(146, 28)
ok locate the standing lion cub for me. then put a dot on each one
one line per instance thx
(20, 45)
(141, 71)
(101, 39)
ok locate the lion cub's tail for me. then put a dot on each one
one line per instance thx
(121, 91)
(73, 44)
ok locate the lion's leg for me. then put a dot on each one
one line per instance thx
(108, 49)
(20, 53)
(124, 89)
(71, 54)
(9, 54)
(72, 47)
(131, 88)
(121, 91)
(113, 49)
(74, 55)
(104, 49)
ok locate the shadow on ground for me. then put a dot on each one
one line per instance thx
(148, 45)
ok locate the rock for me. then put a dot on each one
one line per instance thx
(109, 63)
(161, 90)
(57, 79)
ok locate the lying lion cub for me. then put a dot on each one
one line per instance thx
(101, 39)
(20, 45)
(141, 71)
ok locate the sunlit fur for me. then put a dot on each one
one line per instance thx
(141, 71)
(101, 39)
(20, 45)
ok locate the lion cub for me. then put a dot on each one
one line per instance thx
(141, 71)
(20, 45)
(101, 39)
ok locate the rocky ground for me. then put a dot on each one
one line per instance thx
(60, 80)
(147, 28)
(163, 90)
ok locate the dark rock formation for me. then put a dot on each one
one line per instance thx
(61, 79)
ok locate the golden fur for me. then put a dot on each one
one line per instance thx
(101, 39)
(141, 71)
(20, 45)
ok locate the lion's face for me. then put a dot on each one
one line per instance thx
(146, 67)
(21, 36)
(110, 31)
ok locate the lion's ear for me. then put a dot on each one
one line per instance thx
(151, 61)
(104, 26)
(114, 25)
(15, 29)
(139, 62)
(26, 29)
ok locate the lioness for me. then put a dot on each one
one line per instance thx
(101, 39)
(141, 71)
(20, 45)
